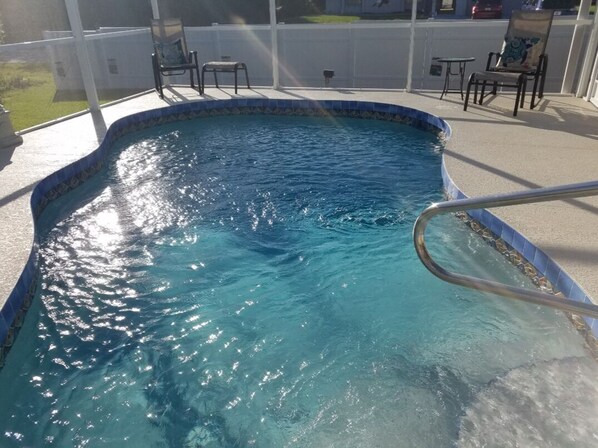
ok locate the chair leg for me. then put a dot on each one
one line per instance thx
(199, 84)
(469, 83)
(544, 68)
(216, 79)
(518, 97)
(539, 80)
(203, 80)
(534, 90)
(157, 76)
(483, 91)
(523, 91)
(193, 60)
(235, 81)
(542, 81)
(246, 76)
(521, 87)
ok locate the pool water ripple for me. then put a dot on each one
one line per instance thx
(250, 281)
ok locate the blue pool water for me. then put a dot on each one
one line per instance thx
(251, 282)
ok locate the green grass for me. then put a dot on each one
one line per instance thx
(329, 18)
(324, 18)
(28, 91)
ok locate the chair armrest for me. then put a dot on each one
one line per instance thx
(489, 61)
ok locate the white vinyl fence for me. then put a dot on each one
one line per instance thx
(362, 55)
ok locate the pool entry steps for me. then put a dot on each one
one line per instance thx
(538, 297)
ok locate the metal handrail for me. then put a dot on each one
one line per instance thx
(522, 197)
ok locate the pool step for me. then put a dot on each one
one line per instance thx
(548, 404)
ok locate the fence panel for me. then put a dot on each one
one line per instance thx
(372, 55)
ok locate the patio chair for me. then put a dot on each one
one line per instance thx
(523, 52)
(171, 56)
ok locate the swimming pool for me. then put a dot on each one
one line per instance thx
(250, 281)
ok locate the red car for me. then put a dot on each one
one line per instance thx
(487, 9)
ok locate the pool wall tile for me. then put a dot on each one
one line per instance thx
(486, 218)
(4, 328)
(518, 242)
(529, 251)
(577, 293)
(476, 214)
(564, 283)
(507, 234)
(364, 106)
(378, 107)
(496, 225)
(552, 270)
(8, 313)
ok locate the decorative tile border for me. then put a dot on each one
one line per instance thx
(71, 176)
(545, 273)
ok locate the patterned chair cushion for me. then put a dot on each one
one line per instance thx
(171, 54)
(520, 53)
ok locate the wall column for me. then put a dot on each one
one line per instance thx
(274, 45)
(72, 9)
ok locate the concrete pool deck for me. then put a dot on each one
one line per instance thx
(490, 152)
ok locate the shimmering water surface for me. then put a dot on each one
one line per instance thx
(251, 281)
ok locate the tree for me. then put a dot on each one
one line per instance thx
(206, 12)
(98, 13)
(25, 20)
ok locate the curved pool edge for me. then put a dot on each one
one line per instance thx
(74, 174)
(524, 254)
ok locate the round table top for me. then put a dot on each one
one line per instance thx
(469, 59)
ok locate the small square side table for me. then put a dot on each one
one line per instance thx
(461, 62)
